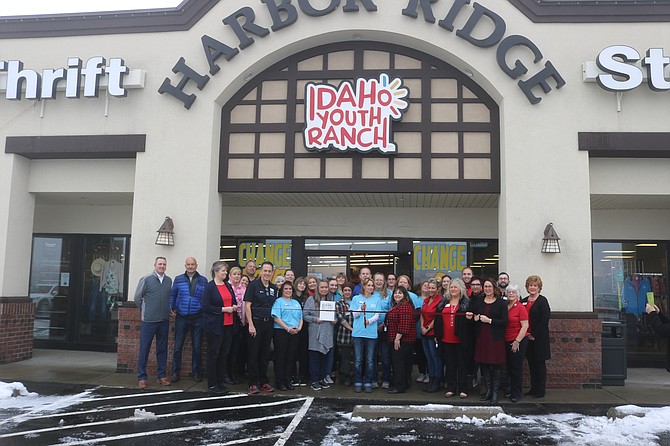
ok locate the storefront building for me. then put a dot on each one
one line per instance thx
(413, 136)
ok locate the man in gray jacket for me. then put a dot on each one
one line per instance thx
(153, 298)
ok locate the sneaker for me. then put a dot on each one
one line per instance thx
(267, 388)
(386, 385)
(142, 384)
(324, 384)
(328, 380)
(316, 386)
(358, 389)
(375, 385)
(368, 389)
(420, 378)
(426, 379)
(296, 383)
(303, 383)
(253, 390)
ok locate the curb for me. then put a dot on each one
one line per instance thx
(440, 411)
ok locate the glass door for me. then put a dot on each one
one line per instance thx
(50, 286)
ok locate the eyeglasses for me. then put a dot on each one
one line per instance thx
(488, 286)
(476, 284)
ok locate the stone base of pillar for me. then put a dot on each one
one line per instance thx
(17, 319)
(576, 352)
(128, 346)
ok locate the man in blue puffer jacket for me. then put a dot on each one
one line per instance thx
(185, 305)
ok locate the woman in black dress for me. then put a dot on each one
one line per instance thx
(490, 319)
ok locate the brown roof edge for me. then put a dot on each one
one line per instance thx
(592, 11)
(181, 18)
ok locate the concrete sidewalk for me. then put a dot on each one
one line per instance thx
(644, 387)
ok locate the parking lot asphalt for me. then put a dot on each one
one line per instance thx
(643, 387)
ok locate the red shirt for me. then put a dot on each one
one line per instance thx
(401, 320)
(428, 312)
(529, 305)
(227, 299)
(449, 323)
(515, 315)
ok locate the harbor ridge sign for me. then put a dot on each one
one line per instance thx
(531, 75)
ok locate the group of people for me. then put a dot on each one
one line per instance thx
(456, 330)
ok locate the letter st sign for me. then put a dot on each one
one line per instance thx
(355, 115)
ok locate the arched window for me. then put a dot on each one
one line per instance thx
(448, 139)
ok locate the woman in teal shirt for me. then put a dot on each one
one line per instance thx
(287, 314)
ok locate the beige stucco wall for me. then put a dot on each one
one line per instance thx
(544, 177)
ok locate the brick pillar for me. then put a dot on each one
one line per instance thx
(129, 345)
(576, 352)
(17, 318)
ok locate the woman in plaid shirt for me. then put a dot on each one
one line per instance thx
(345, 345)
(402, 335)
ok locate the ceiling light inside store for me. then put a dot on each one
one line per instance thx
(647, 245)
(618, 252)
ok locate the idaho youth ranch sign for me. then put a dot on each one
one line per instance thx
(353, 116)
(532, 75)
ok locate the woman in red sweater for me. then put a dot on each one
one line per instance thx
(516, 341)
(402, 335)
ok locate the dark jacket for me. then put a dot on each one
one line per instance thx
(211, 304)
(538, 319)
(461, 325)
(661, 325)
(498, 314)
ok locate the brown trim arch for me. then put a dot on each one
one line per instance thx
(245, 170)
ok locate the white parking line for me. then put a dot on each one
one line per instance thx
(294, 423)
(133, 419)
(137, 406)
(225, 424)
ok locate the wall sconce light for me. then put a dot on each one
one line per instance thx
(165, 234)
(550, 240)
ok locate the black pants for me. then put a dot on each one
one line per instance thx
(218, 348)
(303, 355)
(537, 368)
(515, 367)
(286, 349)
(454, 356)
(346, 353)
(259, 351)
(399, 360)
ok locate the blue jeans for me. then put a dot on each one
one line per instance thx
(364, 348)
(181, 326)
(432, 357)
(320, 364)
(147, 333)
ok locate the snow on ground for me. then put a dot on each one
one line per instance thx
(566, 429)
(16, 398)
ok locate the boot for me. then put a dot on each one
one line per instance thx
(495, 384)
(433, 385)
(426, 387)
(486, 381)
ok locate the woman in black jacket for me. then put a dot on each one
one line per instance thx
(661, 325)
(220, 319)
(490, 319)
(451, 330)
(538, 350)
